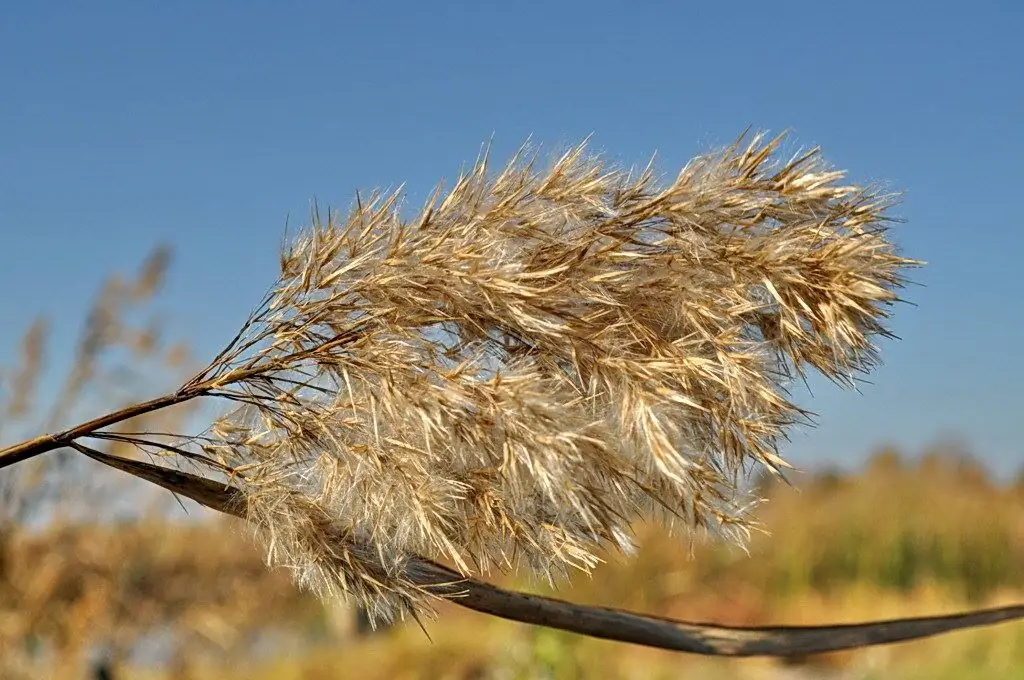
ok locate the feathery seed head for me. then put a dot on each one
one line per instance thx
(539, 358)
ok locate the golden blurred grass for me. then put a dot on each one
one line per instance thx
(895, 539)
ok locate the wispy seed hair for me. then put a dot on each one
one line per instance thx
(540, 357)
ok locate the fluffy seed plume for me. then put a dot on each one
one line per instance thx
(540, 357)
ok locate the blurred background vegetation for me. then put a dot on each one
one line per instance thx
(102, 576)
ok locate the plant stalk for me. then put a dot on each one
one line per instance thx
(50, 442)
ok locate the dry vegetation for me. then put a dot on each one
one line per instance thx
(520, 375)
(898, 538)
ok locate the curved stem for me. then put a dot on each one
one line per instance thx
(602, 622)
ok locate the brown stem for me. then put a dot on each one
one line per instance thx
(685, 636)
(50, 442)
(601, 622)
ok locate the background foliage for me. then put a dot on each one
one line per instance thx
(153, 593)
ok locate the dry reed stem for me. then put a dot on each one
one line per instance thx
(601, 622)
(528, 365)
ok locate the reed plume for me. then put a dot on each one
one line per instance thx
(537, 358)
(540, 357)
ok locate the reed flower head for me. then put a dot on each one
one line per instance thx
(540, 357)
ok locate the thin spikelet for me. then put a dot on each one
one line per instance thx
(540, 357)
(33, 347)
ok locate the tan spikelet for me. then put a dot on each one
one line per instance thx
(538, 358)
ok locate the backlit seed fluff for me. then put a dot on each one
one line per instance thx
(540, 357)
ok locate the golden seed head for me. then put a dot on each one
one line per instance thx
(538, 358)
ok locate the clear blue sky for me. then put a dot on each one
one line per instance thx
(205, 124)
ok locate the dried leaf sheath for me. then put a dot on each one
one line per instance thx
(540, 357)
(601, 622)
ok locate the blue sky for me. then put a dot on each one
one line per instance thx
(206, 124)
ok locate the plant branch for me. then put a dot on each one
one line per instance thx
(601, 622)
(50, 442)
